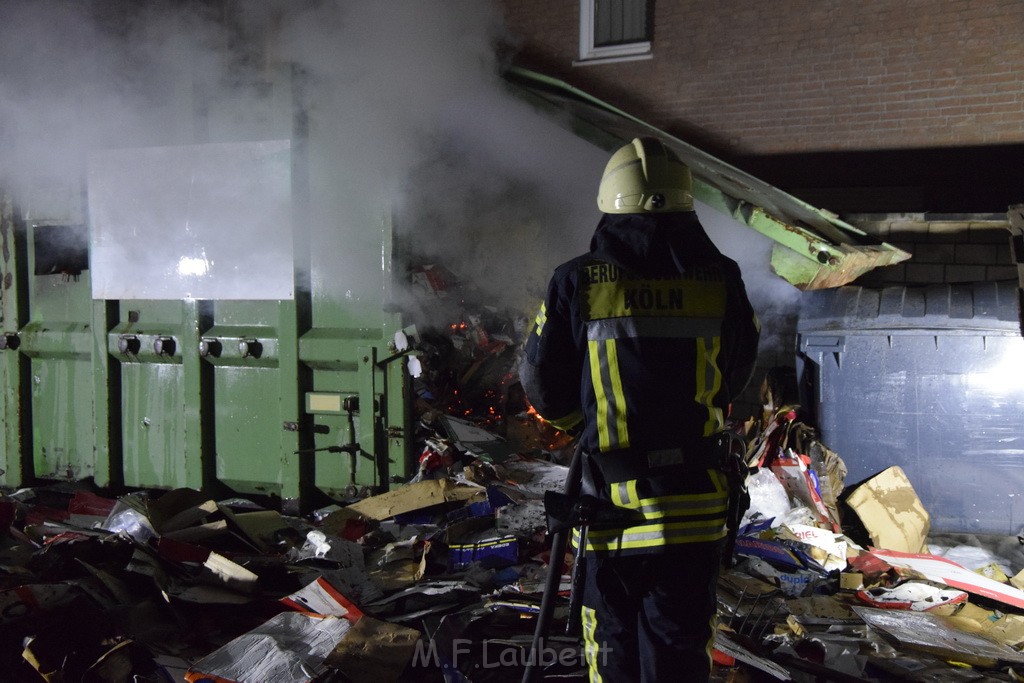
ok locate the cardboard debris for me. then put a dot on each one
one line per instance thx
(924, 632)
(222, 571)
(355, 583)
(374, 651)
(345, 523)
(794, 583)
(416, 496)
(827, 548)
(831, 473)
(489, 549)
(320, 597)
(86, 509)
(199, 533)
(1017, 580)
(793, 470)
(851, 581)
(1006, 628)
(993, 571)
(821, 608)
(477, 441)
(889, 509)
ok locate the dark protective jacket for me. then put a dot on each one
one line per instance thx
(645, 340)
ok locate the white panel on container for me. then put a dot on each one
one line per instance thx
(193, 222)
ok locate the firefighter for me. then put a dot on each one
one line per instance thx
(641, 344)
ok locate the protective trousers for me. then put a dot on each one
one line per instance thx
(651, 617)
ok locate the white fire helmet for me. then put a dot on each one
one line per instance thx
(645, 176)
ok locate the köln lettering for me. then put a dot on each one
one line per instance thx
(646, 298)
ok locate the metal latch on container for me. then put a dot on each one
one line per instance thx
(129, 344)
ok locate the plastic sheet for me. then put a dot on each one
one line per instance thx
(768, 498)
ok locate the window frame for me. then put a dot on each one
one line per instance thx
(591, 54)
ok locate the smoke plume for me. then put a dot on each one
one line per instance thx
(411, 139)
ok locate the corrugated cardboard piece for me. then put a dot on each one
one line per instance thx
(416, 497)
(890, 510)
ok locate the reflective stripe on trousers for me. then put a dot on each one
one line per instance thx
(668, 520)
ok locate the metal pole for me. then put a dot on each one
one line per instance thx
(559, 540)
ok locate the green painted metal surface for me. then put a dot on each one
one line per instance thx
(202, 394)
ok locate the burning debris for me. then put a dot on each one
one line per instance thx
(468, 376)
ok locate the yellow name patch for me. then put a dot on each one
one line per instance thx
(610, 293)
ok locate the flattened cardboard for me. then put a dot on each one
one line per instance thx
(890, 510)
(416, 496)
(935, 635)
(1009, 629)
(374, 651)
(1006, 628)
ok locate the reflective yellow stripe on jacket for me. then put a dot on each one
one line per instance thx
(709, 382)
(669, 520)
(612, 431)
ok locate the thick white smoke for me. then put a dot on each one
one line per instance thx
(412, 134)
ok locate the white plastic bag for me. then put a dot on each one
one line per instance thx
(768, 498)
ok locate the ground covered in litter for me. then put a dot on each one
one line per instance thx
(441, 577)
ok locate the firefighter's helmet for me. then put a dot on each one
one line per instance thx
(645, 176)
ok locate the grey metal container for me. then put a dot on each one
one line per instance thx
(930, 379)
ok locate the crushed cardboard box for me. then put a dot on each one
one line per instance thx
(889, 509)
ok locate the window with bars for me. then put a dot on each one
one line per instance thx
(615, 29)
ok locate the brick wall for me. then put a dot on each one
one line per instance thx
(805, 75)
(945, 249)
